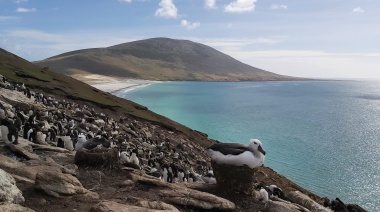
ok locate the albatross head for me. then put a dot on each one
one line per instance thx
(255, 145)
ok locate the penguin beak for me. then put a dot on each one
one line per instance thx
(261, 149)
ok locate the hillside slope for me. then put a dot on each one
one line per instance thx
(159, 59)
(18, 70)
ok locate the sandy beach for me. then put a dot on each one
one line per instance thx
(112, 84)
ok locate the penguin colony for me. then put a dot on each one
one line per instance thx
(161, 153)
(77, 127)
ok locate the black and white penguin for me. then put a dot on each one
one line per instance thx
(60, 143)
(209, 178)
(9, 131)
(264, 195)
(32, 134)
(80, 141)
(276, 191)
(26, 129)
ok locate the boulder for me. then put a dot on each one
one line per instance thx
(111, 206)
(49, 148)
(13, 97)
(58, 184)
(305, 201)
(99, 122)
(20, 150)
(275, 206)
(231, 179)
(146, 133)
(10, 207)
(8, 189)
(180, 195)
(6, 163)
(192, 198)
(157, 205)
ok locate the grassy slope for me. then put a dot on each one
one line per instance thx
(19, 70)
(159, 59)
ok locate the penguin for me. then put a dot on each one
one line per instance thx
(264, 195)
(60, 143)
(8, 125)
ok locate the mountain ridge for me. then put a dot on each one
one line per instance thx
(159, 59)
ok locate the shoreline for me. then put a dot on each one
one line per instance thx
(123, 85)
(113, 84)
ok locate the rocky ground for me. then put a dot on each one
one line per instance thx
(51, 178)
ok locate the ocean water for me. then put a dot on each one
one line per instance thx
(323, 135)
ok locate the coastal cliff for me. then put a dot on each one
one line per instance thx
(109, 185)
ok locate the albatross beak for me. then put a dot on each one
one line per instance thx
(261, 149)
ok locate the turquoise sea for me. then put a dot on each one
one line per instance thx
(323, 135)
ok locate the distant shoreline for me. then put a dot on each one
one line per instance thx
(113, 84)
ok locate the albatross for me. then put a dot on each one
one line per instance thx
(236, 154)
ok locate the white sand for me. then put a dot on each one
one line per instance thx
(113, 84)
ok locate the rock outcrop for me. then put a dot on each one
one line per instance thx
(196, 199)
(58, 184)
(276, 206)
(10, 207)
(8, 189)
(186, 197)
(111, 206)
(305, 201)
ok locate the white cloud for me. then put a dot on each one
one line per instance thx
(25, 10)
(240, 6)
(20, 1)
(312, 63)
(278, 6)
(190, 25)
(358, 10)
(7, 18)
(210, 4)
(167, 9)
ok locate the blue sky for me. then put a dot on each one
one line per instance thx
(305, 38)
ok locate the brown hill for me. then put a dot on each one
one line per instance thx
(159, 59)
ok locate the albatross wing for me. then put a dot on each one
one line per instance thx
(229, 148)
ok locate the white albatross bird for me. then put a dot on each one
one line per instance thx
(235, 154)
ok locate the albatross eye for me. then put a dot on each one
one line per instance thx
(254, 142)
